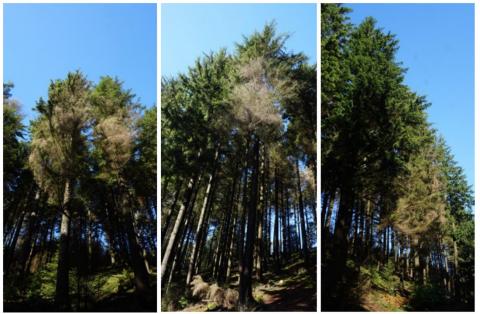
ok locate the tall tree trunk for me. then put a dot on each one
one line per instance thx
(230, 253)
(355, 231)
(297, 230)
(62, 287)
(276, 233)
(455, 269)
(284, 223)
(182, 245)
(138, 264)
(340, 240)
(243, 217)
(446, 279)
(245, 291)
(170, 211)
(228, 244)
(302, 218)
(258, 242)
(201, 221)
(174, 234)
(326, 198)
(204, 232)
(10, 251)
(417, 264)
(287, 216)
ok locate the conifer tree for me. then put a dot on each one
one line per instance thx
(57, 155)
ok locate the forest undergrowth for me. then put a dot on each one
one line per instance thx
(292, 289)
(109, 289)
(381, 288)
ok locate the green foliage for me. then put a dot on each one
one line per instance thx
(174, 298)
(212, 306)
(14, 148)
(183, 301)
(58, 146)
(42, 283)
(104, 284)
(108, 98)
(381, 158)
(384, 279)
(427, 297)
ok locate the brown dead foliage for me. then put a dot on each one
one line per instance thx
(223, 298)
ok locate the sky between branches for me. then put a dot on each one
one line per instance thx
(437, 47)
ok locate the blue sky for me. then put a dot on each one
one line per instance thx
(43, 42)
(437, 47)
(189, 30)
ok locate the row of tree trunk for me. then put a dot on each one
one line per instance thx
(242, 233)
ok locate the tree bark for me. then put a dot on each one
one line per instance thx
(201, 221)
(174, 234)
(276, 233)
(245, 293)
(302, 218)
(138, 264)
(62, 286)
(170, 211)
(258, 242)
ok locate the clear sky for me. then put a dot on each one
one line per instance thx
(437, 46)
(189, 30)
(43, 42)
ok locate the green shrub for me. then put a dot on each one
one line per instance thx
(383, 279)
(175, 298)
(183, 302)
(41, 284)
(427, 297)
(104, 284)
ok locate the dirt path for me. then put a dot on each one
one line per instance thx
(289, 299)
(295, 291)
(292, 290)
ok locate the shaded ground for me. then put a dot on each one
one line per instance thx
(115, 293)
(291, 290)
(379, 301)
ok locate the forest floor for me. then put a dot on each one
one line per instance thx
(293, 289)
(380, 301)
(114, 292)
(373, 288)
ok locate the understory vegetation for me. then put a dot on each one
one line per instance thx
(397, 225)
(79, 197)
(238, 175)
